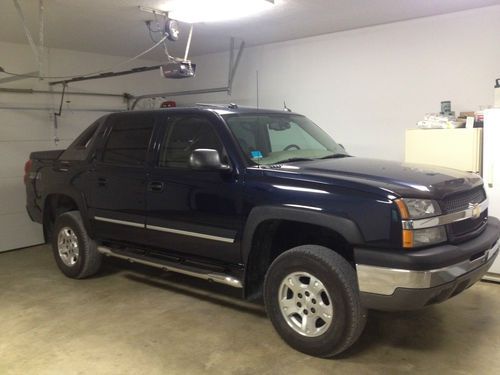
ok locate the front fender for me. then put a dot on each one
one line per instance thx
(345, 227)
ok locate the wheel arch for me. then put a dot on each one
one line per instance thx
(267, 226)
(56, 204)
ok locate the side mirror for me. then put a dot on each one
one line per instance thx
(207, 159)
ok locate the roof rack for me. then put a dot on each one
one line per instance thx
(230, 105)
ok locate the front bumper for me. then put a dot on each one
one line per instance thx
(414, 286)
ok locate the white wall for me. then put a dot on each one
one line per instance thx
(24, 131)
(366, 86)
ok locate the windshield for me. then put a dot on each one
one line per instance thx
(279, 138)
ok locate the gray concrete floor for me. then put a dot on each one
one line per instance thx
(135, 320)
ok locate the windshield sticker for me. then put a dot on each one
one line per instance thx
(256, 154)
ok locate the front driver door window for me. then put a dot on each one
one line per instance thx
(185, 135)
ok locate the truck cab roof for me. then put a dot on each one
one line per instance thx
(221, 109)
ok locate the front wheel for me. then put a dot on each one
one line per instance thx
(75, 252)
(312, 299)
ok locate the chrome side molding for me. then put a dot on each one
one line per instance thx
(209, 276)
(166, 230)
(122, 222)
(190, 234)
(383, 280)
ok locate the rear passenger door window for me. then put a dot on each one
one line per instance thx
(184, 135)
(128, 140)
(118, 180)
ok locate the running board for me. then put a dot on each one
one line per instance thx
(168, 266)
(492, 277)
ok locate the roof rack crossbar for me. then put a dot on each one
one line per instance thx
(230, 105)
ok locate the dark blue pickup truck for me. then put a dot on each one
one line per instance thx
(267, 202)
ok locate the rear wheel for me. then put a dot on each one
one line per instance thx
(75, 252)
(312, 299)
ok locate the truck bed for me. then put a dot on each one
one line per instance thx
(46, 155)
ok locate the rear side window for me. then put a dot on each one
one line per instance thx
(184, 135)
(79, 149)
(129, 139)
(83, 140)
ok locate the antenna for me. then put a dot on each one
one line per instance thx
(257, 87)
(285, 107)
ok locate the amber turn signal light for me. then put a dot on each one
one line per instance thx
(407, 239)
(403, 210)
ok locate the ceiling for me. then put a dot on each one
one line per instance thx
(116, 27)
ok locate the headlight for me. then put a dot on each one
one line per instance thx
(419, 208)
(415, 209)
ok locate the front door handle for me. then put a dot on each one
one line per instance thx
(156, 186)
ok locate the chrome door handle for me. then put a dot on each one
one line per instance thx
(156, 186)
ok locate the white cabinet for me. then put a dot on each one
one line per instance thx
(453, 148)
(463, 149)
(491, 170)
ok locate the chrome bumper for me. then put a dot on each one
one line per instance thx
(385, 281)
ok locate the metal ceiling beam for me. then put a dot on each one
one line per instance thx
(17, 78)
(26, 30)
(31, 91)
(41, 35)
(51, 109)
(233, 65)
(153, 11)
(106, 75)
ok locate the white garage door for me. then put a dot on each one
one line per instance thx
(22, 132)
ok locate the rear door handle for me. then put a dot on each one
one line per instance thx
(101, 181)
(156, 186)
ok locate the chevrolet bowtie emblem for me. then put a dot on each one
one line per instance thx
(476, 210)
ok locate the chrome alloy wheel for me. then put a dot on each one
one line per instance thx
(305, 304)
(67, 245)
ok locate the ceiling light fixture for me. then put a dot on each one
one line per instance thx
(194, 11)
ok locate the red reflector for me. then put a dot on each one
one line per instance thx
(27, 166)
(168, 104)
(27, 169)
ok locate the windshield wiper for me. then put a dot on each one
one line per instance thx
(335, 156)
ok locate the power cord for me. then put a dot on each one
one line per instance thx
(2, 70)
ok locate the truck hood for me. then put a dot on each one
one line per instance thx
(401, 179)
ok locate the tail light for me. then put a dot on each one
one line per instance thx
(27, 170)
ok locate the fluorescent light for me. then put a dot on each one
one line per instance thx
(193, 11)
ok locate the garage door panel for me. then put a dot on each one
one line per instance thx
(22, 133)
(13, 195)
(38, 126)
(24, 126)
(72, 125)
(22, 232)
(13, 155)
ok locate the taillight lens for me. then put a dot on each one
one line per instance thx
(27, 170)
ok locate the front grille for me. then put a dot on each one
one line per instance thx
(465, 229)
(470, 225)
(460, 201)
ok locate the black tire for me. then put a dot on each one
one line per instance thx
(89, 259)
(339, 280)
